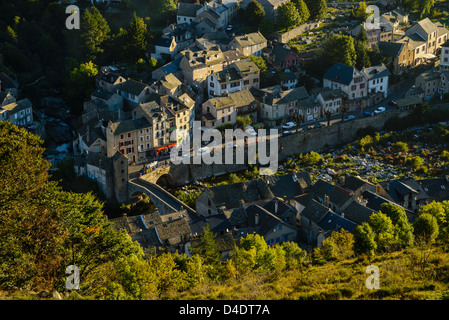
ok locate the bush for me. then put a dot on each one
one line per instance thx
(414, 162)
(401, 146)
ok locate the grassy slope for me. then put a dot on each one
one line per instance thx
(400, 278)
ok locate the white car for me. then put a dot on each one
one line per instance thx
(348, 118)
(250, 130)
(379, 110)
(229, 28)
(288, 125)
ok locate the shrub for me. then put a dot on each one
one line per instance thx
(400, 146)
(414, 162)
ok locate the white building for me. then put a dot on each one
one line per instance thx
(377, 78)
(444, 61)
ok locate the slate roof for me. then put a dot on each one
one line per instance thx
(336, 194)
(279, 53)
(103, 94)
(376, 72)
(331, 94)
(224, 242)
(217, 223)
(109, 77)
(437, 188)
(390, 49)
(427, 25)
(248, 191)
(188, 9)
(250, 39)
(335, 222)
(357, 212)
(354, 183)
(374, 201)
(289, 185)
(132, 86)
(129, 125)
(164, 42)
(341, 73)
(400, 188)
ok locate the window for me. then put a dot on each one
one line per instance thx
(121, 136)
(129, 135)
(211, 84)
(353, 87)
(256, 80)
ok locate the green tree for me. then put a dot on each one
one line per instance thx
(361, 11)
(364, 240)
(339, 48)
(208, 248)
(439, 210)
(403, 230)
(383, 229)
(80, 84)
(426, 228)
(295, 257)
(304, 13)
(137, 38)
(317, 9)
(254, 13)
(94, 32)
(168, 8)
(424, 7)
(287, 16)
(242, 122)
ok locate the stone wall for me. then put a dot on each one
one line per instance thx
(301, 142)
(293, 33)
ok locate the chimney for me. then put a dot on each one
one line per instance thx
(342, 214)
(388, 186)
(256, 219)
(326, 200)
(276, 206)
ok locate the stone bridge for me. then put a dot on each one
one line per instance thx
(162, 199)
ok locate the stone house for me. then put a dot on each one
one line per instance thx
(199, 60)
(377, 77)
(429, 83)
(133, 92)
(240, 75)
(187, 12)
(277, 105)
(348, 79)
(283, 57)
(249, 44)
(109, 80)
(399, 56)
(331, 100)
(225, 109)
(19, 112)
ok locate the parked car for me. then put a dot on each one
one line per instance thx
(229, 28)
(366, 114)
(392, 103)
(286, 133)
(348, 118)
(319, 125)
(288, 125)
(379, 110)
(250, 130)
(310, 127)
